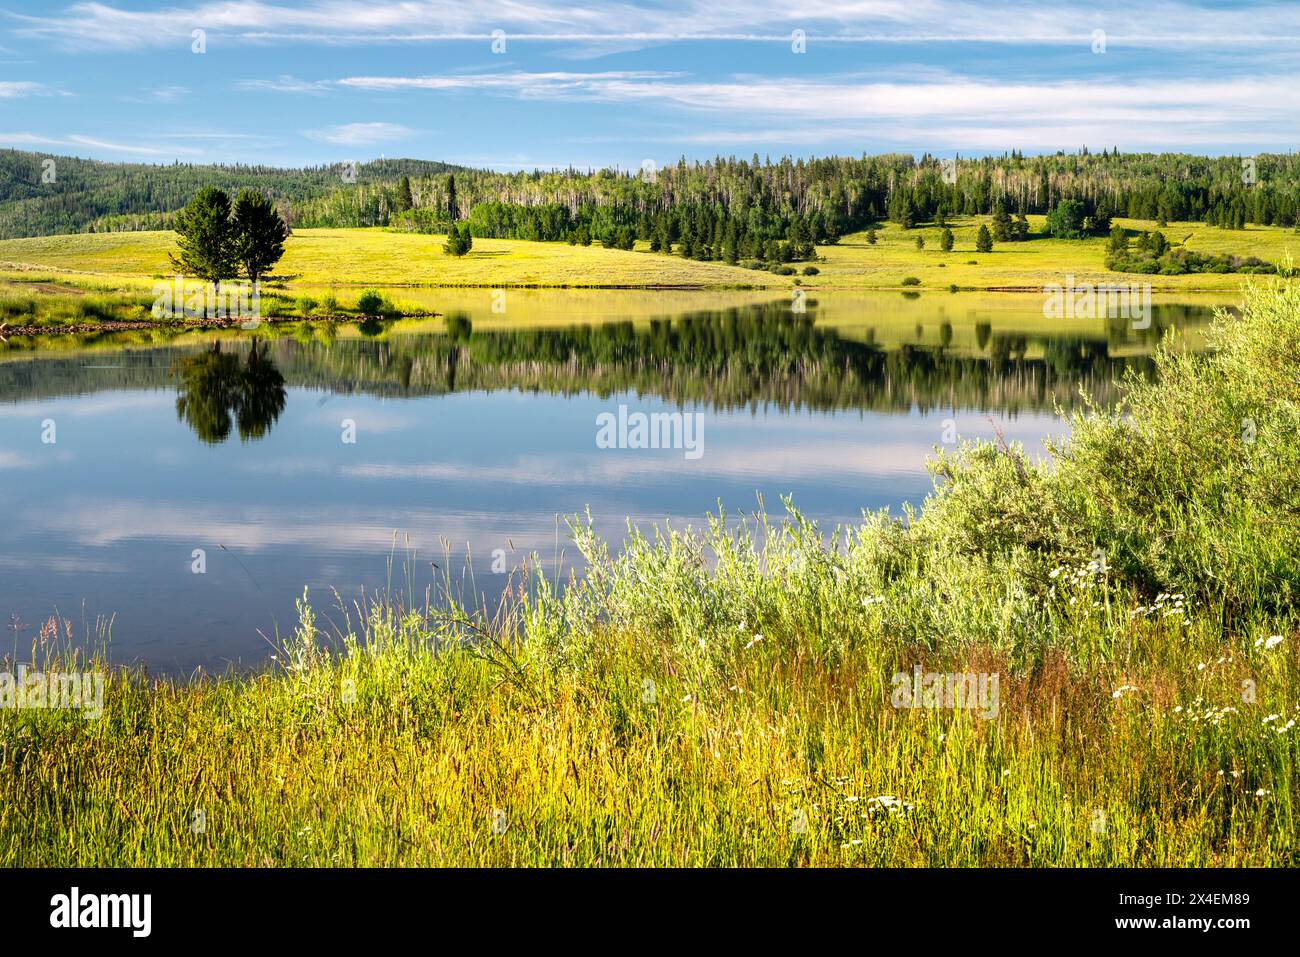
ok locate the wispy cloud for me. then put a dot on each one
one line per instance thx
(286, 84)
(74, 140)
(13, 89)
(1171, 24)
(939, 111)
(360, 134)
(169, 94)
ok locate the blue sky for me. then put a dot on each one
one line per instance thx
(615, 84)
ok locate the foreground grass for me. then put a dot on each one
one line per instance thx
(724, 698)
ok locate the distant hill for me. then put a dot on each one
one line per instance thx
(92, 196)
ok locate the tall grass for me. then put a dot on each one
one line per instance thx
(722, 697)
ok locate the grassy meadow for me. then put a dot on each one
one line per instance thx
(90, 278)
(722, 696)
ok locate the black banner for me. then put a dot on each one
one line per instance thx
(142, 907)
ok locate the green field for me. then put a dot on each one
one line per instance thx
(344, 260)
(1031, 264)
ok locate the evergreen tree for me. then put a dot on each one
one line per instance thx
(403, 201)
(1118, 244)
(459, 241)
(258, 234)
(983, 240)
(945, 240)
(1002, 228)
(204, 235)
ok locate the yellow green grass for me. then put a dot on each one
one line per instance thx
(723, 697)
(341, 259)
(1031, 264)
(382, 257)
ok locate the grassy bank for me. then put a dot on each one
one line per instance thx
(723, 697)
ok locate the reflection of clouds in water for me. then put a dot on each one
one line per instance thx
(370, 418)
(254, 528)
(827, 449)
(61, 564)
(102, 403)
(16, 460)
(49, 455)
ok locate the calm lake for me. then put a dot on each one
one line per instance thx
(190, 485)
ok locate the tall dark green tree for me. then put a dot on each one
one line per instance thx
(204, 235)
(983, 240)
(258, 234)
(1002, 228)
(403, 200)
(459, 241)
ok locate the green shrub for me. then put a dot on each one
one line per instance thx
(370, 303)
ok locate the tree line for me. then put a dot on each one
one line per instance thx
(709, 207)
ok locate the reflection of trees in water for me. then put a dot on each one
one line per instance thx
(217, 387)
(733, 358)
(745, 356)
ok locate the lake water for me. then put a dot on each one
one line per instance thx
(326, 456)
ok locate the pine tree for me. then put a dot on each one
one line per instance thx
(258, 234)
(402, 201)
(983, 240)
(945, 240)
(1002, 228)
(205, 236)
(459, 241)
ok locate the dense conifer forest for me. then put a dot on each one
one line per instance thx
(727, 209)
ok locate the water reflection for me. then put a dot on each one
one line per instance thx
(216, 386)
(760, 355)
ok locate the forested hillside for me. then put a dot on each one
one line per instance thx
(744, 205)
(90, 196)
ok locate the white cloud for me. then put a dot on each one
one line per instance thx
(360, 134)
(139, 148)
(286, 84)
(13, 89)
(1169, 24)
(169, 94)
(935, 112)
